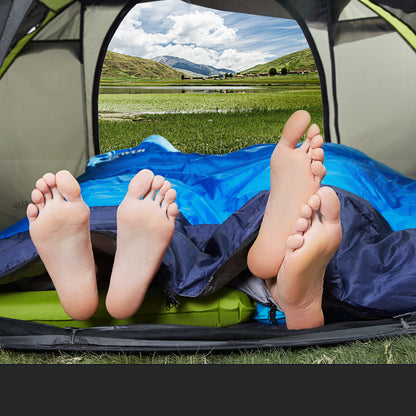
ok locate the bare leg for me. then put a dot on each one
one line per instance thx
(59, 228)
(145, 225)
(298, 287)
(295, 175)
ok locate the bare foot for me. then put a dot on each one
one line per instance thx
(295, 175)
(145, 225)
(59, 228)
(299, 285)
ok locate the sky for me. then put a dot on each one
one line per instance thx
(233, 41)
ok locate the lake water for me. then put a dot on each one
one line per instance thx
(182, 89)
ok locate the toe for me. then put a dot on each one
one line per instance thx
(314, 202)
(31, 212)
(294, 241)
(300, 225)
(317, 142)
(312, 131)
(38, 198)
(294, 128)
(169, 205)
(162, 192)
(173, 211)
(305, 211)
(169, 198)
(318, 170)
(330, 206)
(50, 180)
(157, 184)
(43, 187)
(67, 186)
(318, 154)
(141, 184)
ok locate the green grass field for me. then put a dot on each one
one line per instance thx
(241, 120)
(204, 123)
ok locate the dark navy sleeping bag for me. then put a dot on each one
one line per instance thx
(222, 199)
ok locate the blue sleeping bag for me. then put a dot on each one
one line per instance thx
(220, 189)
(211, 187)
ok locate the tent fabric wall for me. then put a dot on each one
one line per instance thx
(49, 89)
(47, 115)
(375, 88)
(43, 123)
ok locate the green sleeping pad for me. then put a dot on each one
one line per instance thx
(224, 308)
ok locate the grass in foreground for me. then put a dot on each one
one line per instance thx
(397, 350)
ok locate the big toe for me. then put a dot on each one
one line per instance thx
(330, 206)
(141, 184)
(67, 185)
(295, 127)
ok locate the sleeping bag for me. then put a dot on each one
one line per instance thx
(222, 199)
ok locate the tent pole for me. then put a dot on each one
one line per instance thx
(331, 30)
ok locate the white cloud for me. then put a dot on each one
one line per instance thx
(200, 35)
(130, 38)
(239, 61)
(205, 29)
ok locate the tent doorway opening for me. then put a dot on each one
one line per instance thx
(225, 78)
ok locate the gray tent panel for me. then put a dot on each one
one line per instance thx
(48, 116)
(43, 120)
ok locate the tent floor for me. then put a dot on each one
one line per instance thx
(23, 335)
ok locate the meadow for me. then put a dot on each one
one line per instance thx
(218, 123)
(206, 122)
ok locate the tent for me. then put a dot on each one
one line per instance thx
(51, 55)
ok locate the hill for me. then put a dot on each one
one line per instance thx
(297, 61)
(190, 67)
(118, 65)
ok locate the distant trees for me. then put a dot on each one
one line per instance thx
(283, 71)
(272, 71)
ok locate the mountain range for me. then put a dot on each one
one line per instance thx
(117, 65)
(191, 68)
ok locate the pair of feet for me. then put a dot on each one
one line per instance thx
(301, 228)
(60, 230)
(291, 252)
